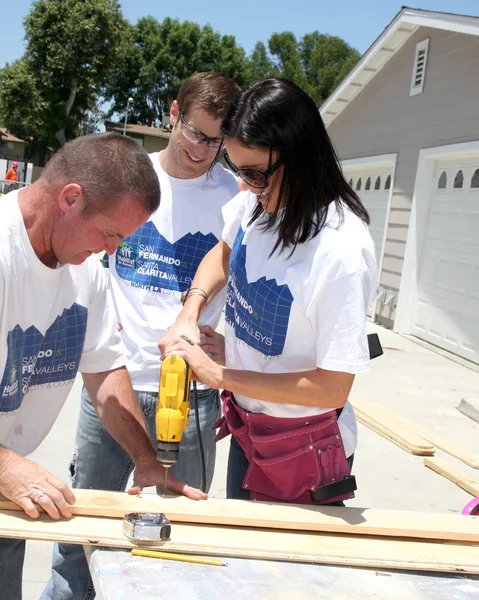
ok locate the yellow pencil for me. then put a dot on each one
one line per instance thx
(201, 560)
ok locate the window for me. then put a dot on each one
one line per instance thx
(419, 69)
(442, 183)
(358, 184)
(387, 185)
(377, 185)
(475, 179)
(351, 184)
(458, 180)
(368, 184)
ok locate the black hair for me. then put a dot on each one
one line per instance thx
(276, 114)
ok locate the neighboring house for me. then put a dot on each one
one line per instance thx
(12, 149)
(153, 139)
(405, 123)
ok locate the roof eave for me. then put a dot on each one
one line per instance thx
(406, 22)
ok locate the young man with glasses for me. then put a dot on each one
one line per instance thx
(148, 275)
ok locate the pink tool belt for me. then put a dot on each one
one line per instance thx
(298, 460)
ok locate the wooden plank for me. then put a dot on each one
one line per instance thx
(376, 416)
(293, 546)
(468, 458)
(391, 426)
(243, 513)
(455, 475)
(394, 437)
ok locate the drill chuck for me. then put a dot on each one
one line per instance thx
(167, 453)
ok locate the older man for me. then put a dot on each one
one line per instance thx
(55, 320)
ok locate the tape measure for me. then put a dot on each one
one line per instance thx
(146, 527)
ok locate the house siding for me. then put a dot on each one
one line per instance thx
(154, 144)
(385, 119)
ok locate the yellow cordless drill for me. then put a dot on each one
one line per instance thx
(172, 411)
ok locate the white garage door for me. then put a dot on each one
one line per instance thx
(372, 184)
(446, 311)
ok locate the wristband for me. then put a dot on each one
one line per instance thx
(194, 292)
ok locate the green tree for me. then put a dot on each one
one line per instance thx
(158, 57)
(284, 49)
(326, 60)
(260, 64)
(22, 109)
(317, 62)
(71, 46)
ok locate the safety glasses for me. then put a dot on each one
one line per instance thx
(254, 178)
(195, 136)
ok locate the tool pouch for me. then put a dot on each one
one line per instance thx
(299, 460)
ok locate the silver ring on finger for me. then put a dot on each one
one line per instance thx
(39, 495)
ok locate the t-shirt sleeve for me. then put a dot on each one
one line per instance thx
(338, 315)
(103, 349)
(233, 212)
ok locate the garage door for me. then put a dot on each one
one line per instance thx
(446, 310)
(372, 185)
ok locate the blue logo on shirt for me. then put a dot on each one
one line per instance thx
(258, 311)
(150, 261)
(34, 359)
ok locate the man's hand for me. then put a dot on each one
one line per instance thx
(31, 486)
(152, 473)
(213, 344)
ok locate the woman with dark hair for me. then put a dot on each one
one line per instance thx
(298, 262)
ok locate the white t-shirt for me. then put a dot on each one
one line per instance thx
(290, 314)
(53, 323)
(158, 262)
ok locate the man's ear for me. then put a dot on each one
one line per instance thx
(174, 112)
(71, 199)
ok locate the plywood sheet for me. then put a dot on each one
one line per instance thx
(243, 513)
(293, 546)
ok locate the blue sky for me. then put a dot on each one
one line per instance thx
(359, 22)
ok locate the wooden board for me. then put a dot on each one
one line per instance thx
(293, 546)
(455, 475)
(243, 513)
(462, 454)
(391, 426)
(405, 432)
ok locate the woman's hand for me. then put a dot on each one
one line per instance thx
(213, 344)
(180, 327)
(205, 370)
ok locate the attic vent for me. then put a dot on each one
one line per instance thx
(419, 71)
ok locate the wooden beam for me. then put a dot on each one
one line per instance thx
(391, 426)
(406, 432)
(455, 475)
(244, 513)
(292, 546)
(461, 454)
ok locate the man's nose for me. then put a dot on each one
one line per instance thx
(111, 246)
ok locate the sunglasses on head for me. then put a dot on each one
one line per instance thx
(253, 177)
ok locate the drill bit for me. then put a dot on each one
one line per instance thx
(164, 484)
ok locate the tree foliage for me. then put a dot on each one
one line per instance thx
(71, 46)
(158, 57)
(80, 54)
(317, 63)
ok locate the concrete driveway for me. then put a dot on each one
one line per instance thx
(411, 378)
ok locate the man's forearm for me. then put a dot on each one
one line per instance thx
(118, 410)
